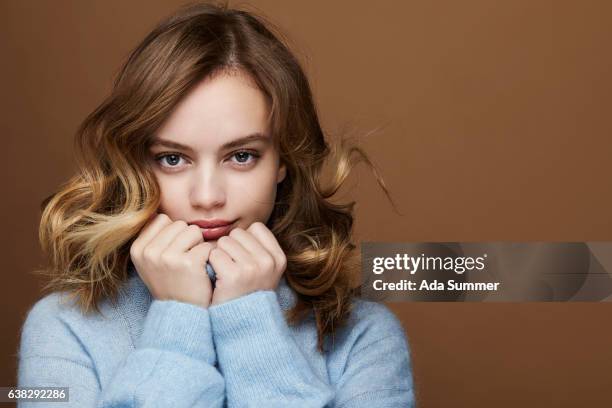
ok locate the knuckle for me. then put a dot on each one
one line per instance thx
(267, 262)
(149, 253)
(205, 246)
(213, 253)
(195, 231)
(134, 250)
(250, 268)
(181, 223)
(186, 264)
(167, 259)
(283, 261)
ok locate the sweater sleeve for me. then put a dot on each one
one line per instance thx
(378, 369)
(259, 359)
(172, 364)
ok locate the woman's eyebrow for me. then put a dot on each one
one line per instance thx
(234, 143)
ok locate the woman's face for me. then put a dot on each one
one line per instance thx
(202, 176)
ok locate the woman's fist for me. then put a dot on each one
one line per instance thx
(170, 258)
(246, 261)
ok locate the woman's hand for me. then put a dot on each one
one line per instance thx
(170, 258)
(246, 261)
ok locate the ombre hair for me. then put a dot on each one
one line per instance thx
(87, 226)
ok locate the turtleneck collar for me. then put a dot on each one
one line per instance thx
(135, 286)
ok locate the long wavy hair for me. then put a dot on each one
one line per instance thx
(89, 223)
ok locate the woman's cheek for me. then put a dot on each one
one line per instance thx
(171, 190)
(248, 192)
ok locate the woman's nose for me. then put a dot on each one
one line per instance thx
(207, 189)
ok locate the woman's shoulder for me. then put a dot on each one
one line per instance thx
(61, 306)
(48, 328)
(55, 324)
(370, 322)
(369, 314)
(64, 306)
(51, 308)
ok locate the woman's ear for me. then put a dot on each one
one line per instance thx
(282, 173)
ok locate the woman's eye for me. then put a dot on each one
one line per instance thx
(171, 159)
(242, 157)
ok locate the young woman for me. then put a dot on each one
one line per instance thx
(207, 156)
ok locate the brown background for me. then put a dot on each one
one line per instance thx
(496, 126)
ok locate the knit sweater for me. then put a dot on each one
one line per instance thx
(145, 352)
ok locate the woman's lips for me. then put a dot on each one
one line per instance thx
(217, 232)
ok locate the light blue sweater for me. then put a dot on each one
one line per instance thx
(242, 353)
